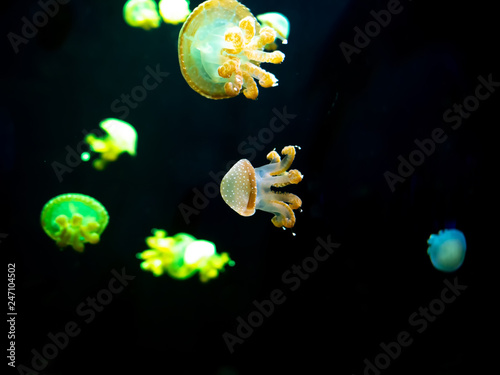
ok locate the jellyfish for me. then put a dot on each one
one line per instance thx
(279, 23)
(174, 11)
(220, 50)
(246, 189)
(181, 256)
(74, 219)
(447, 249)
(141, 13)
(121, 137)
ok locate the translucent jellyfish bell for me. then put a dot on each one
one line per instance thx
(220, 50)
(141, 13)
(246, 189)
(174, 11)
(121, 137)
(198, 250)
(447, 249)
(74, 219)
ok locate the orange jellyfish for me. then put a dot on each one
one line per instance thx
(221, 48)
(246, 189)
(74, 219)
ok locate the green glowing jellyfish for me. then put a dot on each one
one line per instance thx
(174, 11)
(74, 219)
(447, 249)
(121, 137)
(181, 256)
(141, 13)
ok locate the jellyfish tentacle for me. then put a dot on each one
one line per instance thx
(76, 220)
(293, 201)
(88, 232)
(98, 145)
(266, 35)
(242, 40)
(295, 176)
(292, 177)
(247, 26)
(266, 79)
(276, 169)
(288, 198)
(63, 236)
(226, 70)
(283, 213)
(273, 157)
(235, 36)
(254, 49)
(275, 57)
(251, 90)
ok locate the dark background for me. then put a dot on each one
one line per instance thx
(352, 121)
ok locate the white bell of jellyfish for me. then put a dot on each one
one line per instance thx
(199, 252)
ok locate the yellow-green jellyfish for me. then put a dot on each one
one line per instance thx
(141, 13)
(279, 23)
(121, 137)
(174, 11)
(181, 256)
(74, 219)
(447, 249)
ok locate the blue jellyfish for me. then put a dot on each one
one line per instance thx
(447, 249)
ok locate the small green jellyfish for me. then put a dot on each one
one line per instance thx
(181, 256)
(141, 13)
(121, 137)
(174, 11)
(447, 249)
(74, 219)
